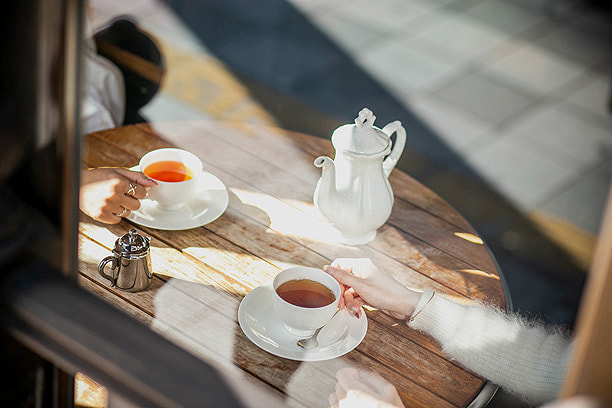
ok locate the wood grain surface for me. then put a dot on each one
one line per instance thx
(202, 274)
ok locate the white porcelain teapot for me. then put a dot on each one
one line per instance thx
(353, 192)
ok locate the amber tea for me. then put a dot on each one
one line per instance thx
(305, 293)
(169, 171)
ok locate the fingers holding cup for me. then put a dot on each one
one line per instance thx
(353, 301)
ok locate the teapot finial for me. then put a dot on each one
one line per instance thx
(365, 116)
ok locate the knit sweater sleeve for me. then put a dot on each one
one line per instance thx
(521, 357)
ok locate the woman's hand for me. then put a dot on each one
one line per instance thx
(107, 194)
(363, 282)
(363, 389)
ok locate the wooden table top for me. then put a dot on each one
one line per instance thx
(202, 274)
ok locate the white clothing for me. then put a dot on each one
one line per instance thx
(103, 94)
(523, 358)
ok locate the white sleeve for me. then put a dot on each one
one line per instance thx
(103, 94)
(521, 357)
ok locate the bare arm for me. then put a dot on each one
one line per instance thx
(106, 193)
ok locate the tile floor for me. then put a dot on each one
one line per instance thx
(503, 63)
(506, 103)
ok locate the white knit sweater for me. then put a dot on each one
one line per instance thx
(521, 357)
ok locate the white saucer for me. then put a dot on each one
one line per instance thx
(209, 202)
(259, 323)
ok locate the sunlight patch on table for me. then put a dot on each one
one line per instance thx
(172, 263)
(289, 221)
(91, 252)
(470, 237)
(241, 266)
(249, 268)
(479, 273)
(89, 393)
(99, 233)
(212, 253)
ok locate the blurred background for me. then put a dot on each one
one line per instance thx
(507, 105)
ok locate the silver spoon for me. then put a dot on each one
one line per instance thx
(312, 342)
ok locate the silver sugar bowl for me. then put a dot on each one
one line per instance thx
(130, 263)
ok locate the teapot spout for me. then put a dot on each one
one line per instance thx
(325, 195)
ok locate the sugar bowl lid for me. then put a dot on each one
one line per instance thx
(363, 137)
(132, 245)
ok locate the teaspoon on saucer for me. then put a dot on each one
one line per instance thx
(311, 342)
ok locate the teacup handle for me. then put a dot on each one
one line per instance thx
(101, 266)
(400, 141)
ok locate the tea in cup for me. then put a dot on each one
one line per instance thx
(305, 299)
(176, 172)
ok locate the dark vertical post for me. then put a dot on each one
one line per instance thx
(39, 138)
(69, 129)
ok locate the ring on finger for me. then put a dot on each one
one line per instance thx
(132, 190)
(125, 210)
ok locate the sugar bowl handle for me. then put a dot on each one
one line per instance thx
(102, 265)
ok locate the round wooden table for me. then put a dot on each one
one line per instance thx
(202, 274)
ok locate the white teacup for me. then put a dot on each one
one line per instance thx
(172, 195)
(299, 320)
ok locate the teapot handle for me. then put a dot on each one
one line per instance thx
(103, 263)
(400, 141)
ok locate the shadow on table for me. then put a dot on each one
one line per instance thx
(202, 319)
(309, 84)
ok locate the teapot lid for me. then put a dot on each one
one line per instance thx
(362, 137)
(132, 245)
